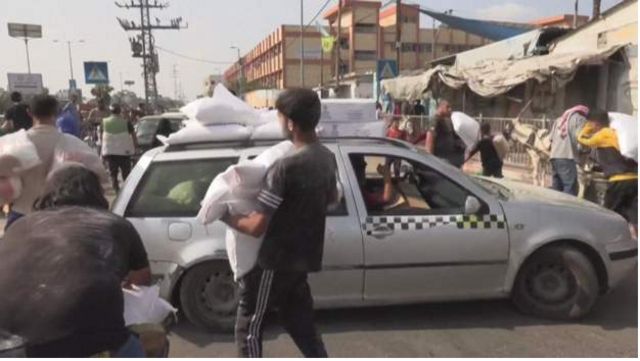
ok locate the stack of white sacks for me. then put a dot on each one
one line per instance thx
(224, 117)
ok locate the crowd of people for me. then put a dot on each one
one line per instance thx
(438, 137)
(80, 255)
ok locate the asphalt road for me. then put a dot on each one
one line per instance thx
(467, 329)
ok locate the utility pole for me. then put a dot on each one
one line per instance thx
(575, 14)
(143, 45)
(596, 8)
(398, 33)
(338, 45)
(302, 43)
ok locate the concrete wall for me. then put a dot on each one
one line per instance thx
(615, 28)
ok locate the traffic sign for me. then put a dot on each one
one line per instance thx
(387, 69)
(96, 72)
(72, 84)
(27, 84)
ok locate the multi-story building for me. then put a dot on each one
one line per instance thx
(368, 34)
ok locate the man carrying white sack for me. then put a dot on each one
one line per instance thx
(298, 189)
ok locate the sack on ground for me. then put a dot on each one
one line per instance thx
(17, 153)
(144, 305)
(467, 128)
(626, 127)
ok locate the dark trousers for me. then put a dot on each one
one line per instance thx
(565, 176)
(12, 217)
(492, 170)
(622, 198)
(117, 163)
(289, 292)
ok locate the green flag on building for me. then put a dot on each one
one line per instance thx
(327, 43)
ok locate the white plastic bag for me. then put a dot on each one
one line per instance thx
(17, 153)
(626, 127)
(144, 305)
(10, 189)
(501, 145)
(70, 149)
(222, 108)
(271, 130)
(467, 128)
(348, 110)
(194, 131)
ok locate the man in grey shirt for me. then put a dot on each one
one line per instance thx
(564, 149)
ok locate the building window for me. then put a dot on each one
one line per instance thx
(344, 43)
(365, 55)
(365, 28)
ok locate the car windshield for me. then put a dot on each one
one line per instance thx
(147, 126)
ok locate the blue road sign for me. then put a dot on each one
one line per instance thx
(96, 72)
(386, 69)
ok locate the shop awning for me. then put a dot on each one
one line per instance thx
(493, 77)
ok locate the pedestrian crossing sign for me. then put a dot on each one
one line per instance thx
(387, 69)
(96, 72)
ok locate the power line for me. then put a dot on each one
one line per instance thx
(215, 62)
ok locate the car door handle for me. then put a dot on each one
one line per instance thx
(381, 232)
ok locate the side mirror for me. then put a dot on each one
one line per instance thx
(472, 205)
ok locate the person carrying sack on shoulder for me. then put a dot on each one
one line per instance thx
(622, 172)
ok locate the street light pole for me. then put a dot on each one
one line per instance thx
(26, 44)
(240, 86)
(302, 43)
(70, 55)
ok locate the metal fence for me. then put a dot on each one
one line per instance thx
(517, 156)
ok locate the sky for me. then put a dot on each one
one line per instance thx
(213, 27)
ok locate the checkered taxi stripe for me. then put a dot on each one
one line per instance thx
(418, 223)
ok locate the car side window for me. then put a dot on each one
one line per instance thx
(175, 188)
(398, 186)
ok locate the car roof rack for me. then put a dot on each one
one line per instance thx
(248, 143)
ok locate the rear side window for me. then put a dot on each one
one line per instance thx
(175, 188)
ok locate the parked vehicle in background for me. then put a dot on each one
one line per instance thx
(447, 236)
(147, 127)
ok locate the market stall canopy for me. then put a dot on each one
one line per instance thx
(491, 30)
(494, 77)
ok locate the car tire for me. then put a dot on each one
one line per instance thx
(209, 296)
(556, 282)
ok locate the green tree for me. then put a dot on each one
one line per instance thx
(101, 92)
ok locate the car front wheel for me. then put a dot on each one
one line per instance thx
(557, 282)
(209, 296)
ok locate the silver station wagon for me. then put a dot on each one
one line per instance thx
(444, 235)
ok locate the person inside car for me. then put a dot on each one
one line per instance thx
(374, 200)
